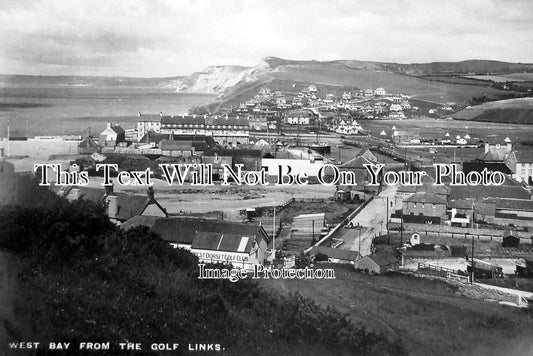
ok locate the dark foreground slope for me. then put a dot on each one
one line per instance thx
(427, 315)
(82, 279)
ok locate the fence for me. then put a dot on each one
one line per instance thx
(342, 223)
(313, 200)
(268, 211)
(440, 271)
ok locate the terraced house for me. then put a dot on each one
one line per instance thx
(225, 130)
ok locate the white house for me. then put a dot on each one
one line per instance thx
(146, 123)
(112, 135)
(380, 92)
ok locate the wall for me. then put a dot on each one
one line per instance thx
(297, 166)
(238, 260)
(524, 171)
(367, 263)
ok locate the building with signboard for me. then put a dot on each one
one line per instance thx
(242, 245)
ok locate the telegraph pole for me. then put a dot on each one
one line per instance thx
(8, 148)
(472, 274)
(274, 235)
(359, 239)
(387, 221)
(401, 229)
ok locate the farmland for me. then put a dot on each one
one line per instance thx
(494, 78)
(514, 111)
(493, 132)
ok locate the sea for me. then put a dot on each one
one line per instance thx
(75, 110)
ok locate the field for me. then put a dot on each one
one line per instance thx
(518, 111)
(427, 315)
(334, 76)
(520, 76)
(494, 78)
(228, 200)
(394, 83)
(492, 132)
(333, 211)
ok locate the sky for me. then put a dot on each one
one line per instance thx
(155, 38)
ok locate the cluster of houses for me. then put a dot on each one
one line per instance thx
(508, 204)
(403, 138)
(241, 244)
(267, 110)
(361, 103)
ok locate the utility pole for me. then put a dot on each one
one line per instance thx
(401, 229)
(472, 269)
(359, 228)
(8, 148)
(274, 235)
(387, 221)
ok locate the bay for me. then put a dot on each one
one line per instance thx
(58, 110)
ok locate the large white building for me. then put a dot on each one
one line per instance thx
(380, 92)
(146, 123)
(225, 130)
(524, 166)
(212, 241)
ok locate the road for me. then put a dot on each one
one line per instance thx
(372, 220)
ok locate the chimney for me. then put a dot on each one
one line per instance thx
(108, 125)
(486, 147)
(509, 146)
(75, 193)
(161, 114)
(139, 114)
(109, 189)
(150, 193)
(112, 206)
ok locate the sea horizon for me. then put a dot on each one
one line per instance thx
(71, 110)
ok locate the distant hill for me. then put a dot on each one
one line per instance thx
(422, 81)
(438, 82)
(464, 67)
(513, 111)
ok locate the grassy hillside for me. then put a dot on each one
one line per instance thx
(429, 316)
(513, 111)
(361, 75)
(83, 279)
(463, 67)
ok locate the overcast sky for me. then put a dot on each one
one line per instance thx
(178, 37)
